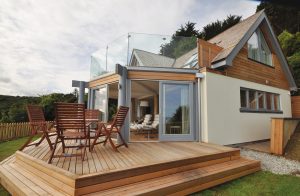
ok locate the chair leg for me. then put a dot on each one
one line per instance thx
(108, 136)
(63, 144)
(26, 143)
(40, 141)
(97, 135)
(122, 139)
(84, 149)
(48, 140)
(53, 150)
(112, 143)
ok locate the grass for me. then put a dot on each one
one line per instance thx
(260, 183)
(8, 148)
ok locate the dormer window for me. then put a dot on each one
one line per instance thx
(258, 49)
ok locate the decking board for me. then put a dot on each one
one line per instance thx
(155, 167)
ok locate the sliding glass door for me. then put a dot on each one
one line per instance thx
(176, 111)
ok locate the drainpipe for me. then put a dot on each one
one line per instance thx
(199, 76)
(122, 71)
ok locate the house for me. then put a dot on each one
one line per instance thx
(224, 90)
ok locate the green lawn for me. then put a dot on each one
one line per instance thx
(260, 183)
(7, 149)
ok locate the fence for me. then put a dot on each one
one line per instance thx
(281, 132)
(295, 106)
(10, 131)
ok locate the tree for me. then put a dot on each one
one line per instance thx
(47, 101)
(290, 44)
(215, 28)
(283, 15)
(4, 117)
(182, 41)
(17, 113)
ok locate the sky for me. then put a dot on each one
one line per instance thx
(46, 44)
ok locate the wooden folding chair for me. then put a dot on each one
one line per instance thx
(106, 129)
(38, 125)
(70, 125)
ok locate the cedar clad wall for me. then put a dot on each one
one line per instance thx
(247, 69)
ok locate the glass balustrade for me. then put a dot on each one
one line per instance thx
(145, 50)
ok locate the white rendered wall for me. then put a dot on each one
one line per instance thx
(222, 121)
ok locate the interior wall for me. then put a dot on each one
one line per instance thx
(222, 121)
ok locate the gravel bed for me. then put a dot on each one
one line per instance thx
(272, 163)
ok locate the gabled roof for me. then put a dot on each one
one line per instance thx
(149, 59)
(229, 38)
(233, 39)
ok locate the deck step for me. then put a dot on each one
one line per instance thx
(24, 174)
(54, 176)
(19, 181)
(187, 182)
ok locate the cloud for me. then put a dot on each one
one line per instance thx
(45, 44)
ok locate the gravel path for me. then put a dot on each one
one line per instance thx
(275, 164)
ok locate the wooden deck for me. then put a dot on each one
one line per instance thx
(143, 168)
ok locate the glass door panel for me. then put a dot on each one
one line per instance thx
(176, 111)
(101, 102)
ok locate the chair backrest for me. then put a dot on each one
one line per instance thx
(155, 122)
(35, 113)
(147, 118)
(120, 116)
(92, 115)
(70, 116)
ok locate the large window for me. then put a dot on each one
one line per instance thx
(258, 49)
(259, 101)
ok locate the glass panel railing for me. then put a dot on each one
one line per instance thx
(147, 50)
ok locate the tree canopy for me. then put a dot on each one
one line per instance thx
(290, 44)
(184, 39)
(13, 108)
(215, 28)
(283, 15)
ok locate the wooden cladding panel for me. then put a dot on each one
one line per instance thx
(295, 106)
(149, 75)
(247, 69)
(281, 131)
(105, 80)
(277, 136)
(207, 52)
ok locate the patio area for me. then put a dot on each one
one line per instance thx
(142, 168)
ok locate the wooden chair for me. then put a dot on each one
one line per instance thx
(70, 125)
(106, 129)
(38, 125)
